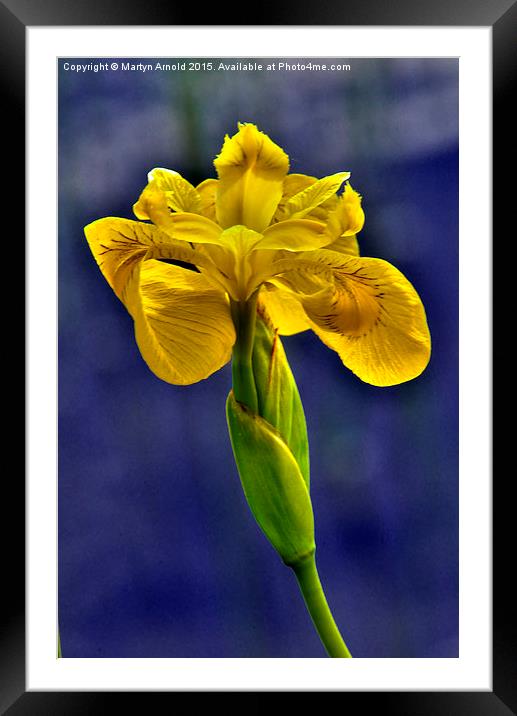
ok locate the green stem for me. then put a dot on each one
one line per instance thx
(245, 392)
(244, 317)
(316, 603)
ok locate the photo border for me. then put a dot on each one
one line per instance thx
(13, 23)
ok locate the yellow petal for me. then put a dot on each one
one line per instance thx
(368, 312)
(183, 326)
(294, 235)
(207, 193)
(321, 212)
(345, 245)
(184, 226)
(178, 194)
(119, 245)
(251, 170)
(293, 183)
(347, 219)
(240, 240)
(193, 228)
(314, 195)
(284, 310)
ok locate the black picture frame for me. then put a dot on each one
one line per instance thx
(15, 17)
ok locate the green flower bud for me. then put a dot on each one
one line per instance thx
(272, 482)
(271, 449)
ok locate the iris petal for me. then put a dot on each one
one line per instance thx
(366, 310)
(207, 192)
(314, 195)
(294, 235)
(347, 219)
(345, 245)
(183, 324)
(118, 245)
(178, 193)
(284, 309)
(251, 170)
(184, 226)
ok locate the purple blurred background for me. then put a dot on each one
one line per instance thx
(159, 555)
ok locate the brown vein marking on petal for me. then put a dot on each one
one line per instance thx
(352, 308)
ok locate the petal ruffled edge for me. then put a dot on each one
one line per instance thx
(347, 218)
(251, 170)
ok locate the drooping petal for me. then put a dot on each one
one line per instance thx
(294, 235)
(183, 326)
(284, 309)
(314, 195)
(119, 245)
(367, 311)
(251, 170)
(178, 193)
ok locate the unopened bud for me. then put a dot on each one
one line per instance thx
(275, 488)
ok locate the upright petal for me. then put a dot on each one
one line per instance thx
(347, 219)
(314, 195)
(178, 193)
(154, 205)
(365, 310)
(293, 184)
(207, 193)
(251, 170)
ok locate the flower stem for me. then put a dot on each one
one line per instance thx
(316, 603)
(245, 392)
(244, 317)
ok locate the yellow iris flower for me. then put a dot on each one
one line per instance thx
(257, 230)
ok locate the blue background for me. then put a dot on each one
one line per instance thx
(159, 555)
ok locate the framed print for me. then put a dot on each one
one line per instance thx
(141, 548)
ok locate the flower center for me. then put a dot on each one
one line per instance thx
(239, 260)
